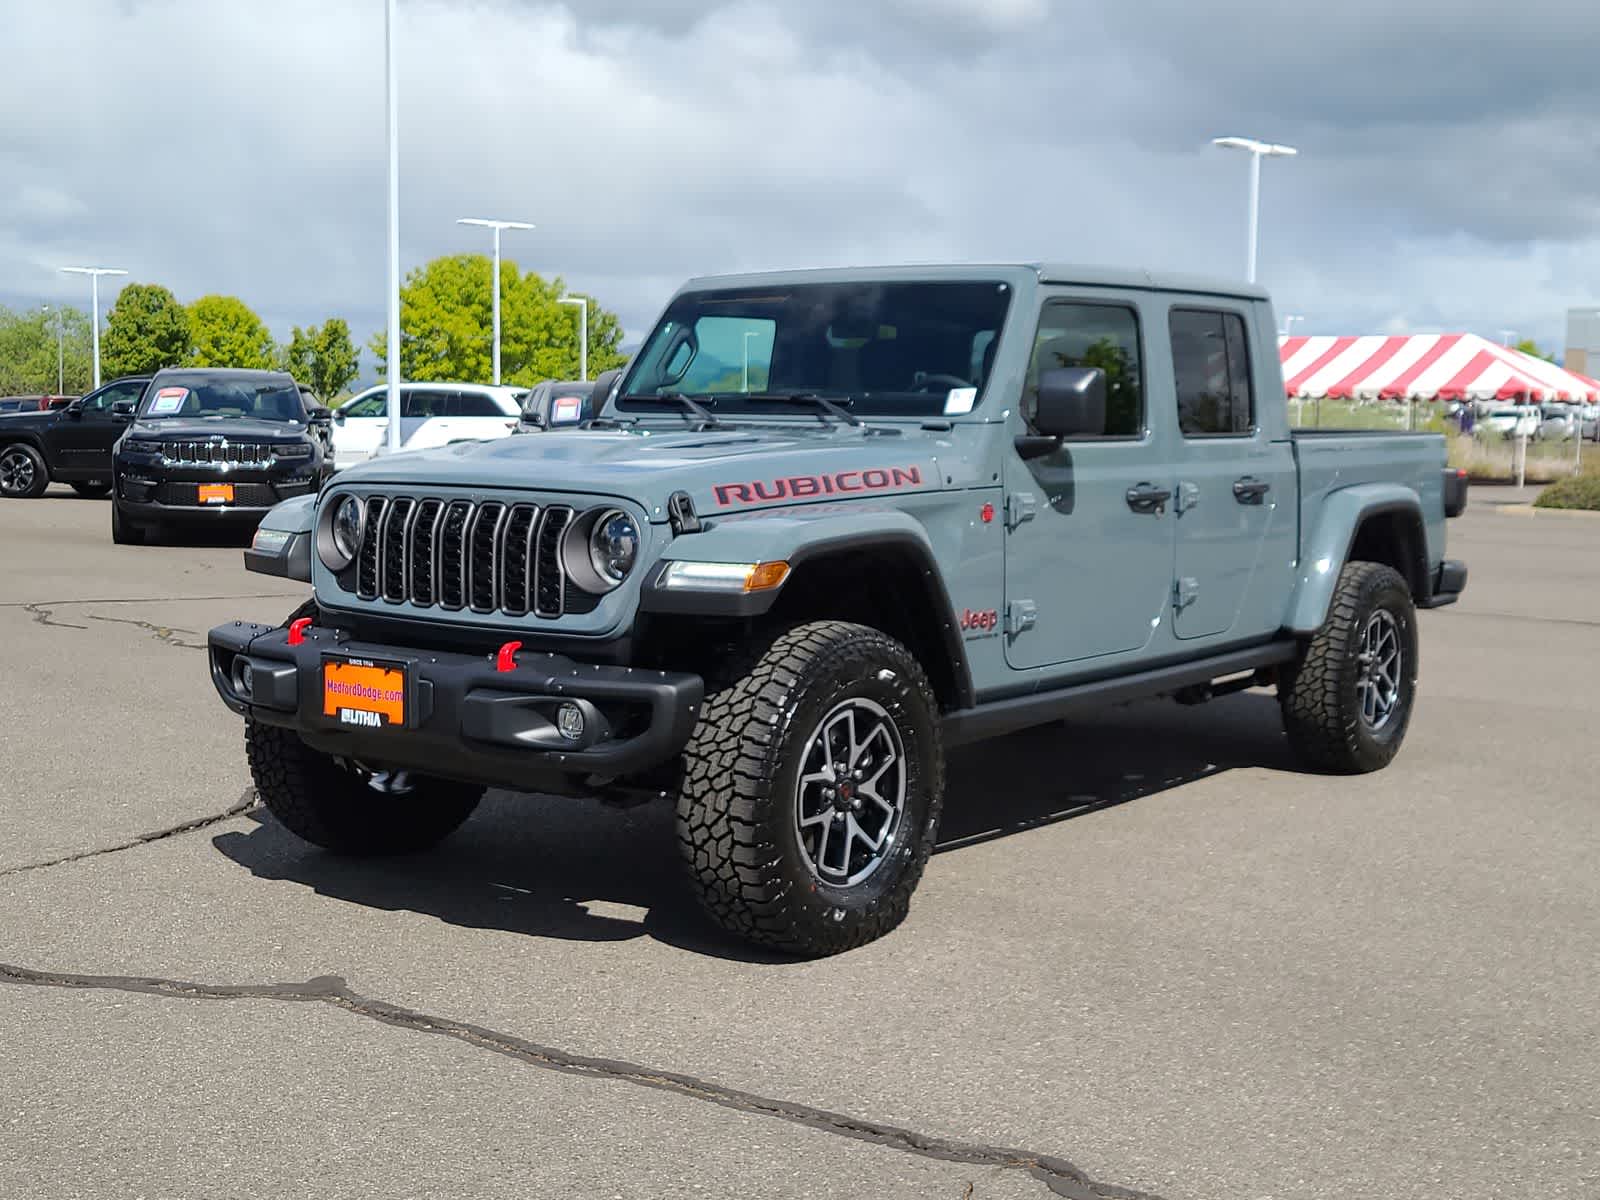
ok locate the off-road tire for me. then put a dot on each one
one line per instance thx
(737, 800)
(92, 489)
(1318, 692)
(38, 481)
(330, 805)
(123, 531)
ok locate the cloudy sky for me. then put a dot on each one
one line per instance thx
(1449, 176)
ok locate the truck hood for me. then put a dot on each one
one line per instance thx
(235, 429)
(723, 470)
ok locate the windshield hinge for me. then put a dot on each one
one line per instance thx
(681, 514)
(1020, 507)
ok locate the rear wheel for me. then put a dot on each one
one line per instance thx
(23, 474)
(351, 807)
(1347, 700)
(92, 488)
(812, 789)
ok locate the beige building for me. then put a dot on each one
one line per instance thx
(1583, 341)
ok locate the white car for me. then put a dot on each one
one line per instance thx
(1557, 423)
(1509, 421)
(431, 414)
(1589, 421)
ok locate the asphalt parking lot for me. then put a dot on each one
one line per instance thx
(1152, 958)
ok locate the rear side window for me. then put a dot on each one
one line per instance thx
(1211, 366)
(472, 404)
(1093, 335)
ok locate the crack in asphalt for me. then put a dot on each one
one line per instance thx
(1060, 1176)
(246, 802)
(165, 634)
(44, 611)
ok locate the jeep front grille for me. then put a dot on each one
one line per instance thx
(233, 454)
(489, 556)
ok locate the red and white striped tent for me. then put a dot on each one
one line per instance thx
(1424, 366)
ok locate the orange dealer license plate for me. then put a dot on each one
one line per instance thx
(364, 694)
(216, 493)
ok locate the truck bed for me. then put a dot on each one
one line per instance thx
(1331, 460)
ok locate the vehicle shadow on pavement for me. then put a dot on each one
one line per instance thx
(549, 867)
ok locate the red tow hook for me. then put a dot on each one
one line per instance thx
(506, 659)
(297, 631)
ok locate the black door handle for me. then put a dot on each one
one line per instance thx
(1147, 498)
(1250, 490)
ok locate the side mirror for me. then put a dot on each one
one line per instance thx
(124, 409)
(604, 384)
(321, 416)
(75, 410)
(1071, 402)
(338, 416)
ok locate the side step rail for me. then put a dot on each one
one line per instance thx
(1019, 712)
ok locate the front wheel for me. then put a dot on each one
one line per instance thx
(1347, 700)
(23, 475)
(349, 807)
(123, 531)
(812, 790)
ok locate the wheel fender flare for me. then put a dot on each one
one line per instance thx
(292, 560)
(28, 438)
(797, 537)
(1327, 546)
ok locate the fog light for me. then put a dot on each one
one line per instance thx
(569, 720)
(244, 678)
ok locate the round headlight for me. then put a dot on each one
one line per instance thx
(339, 533)
(613, 546)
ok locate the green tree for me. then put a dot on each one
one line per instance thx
(446, 326)
(225, 332)
(323, 357)
(1529, 346)
(146, 329)
(28, 351)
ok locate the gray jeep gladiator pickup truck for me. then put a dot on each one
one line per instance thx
(826, 526)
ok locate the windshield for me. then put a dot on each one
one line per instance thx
(888, 348)
(261, 401)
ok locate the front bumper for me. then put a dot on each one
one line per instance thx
(465, 719)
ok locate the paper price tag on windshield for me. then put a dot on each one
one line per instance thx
(960, 400)
(169, 400)
(567, 410)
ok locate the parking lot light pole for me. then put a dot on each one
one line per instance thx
(392, 118)
(748, 334)
(94, 274)
(1258, 150)
(494, 302)
(1288, 323)
(582, 303)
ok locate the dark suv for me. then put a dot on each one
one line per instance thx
(214, 445)
(70, 444)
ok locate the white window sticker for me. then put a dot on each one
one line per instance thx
(567, 410)
(960, 400)
(169, 400)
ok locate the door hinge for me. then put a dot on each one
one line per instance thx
(1020, 616)
(1188, 497)
(1020, 507)
(1185, 592)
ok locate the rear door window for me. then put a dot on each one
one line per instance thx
(474, 404)
(1211, 366)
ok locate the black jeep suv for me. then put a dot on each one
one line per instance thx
(213, 445)
(71, 444)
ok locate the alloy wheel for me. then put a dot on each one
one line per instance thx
(851, 796)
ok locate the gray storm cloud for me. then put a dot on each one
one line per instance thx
(1449, 173)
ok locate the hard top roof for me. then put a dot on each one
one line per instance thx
(1048, 273)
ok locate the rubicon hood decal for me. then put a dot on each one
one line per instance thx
(801, 487)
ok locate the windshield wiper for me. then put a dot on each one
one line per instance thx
(815, 399)
(707, 418)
